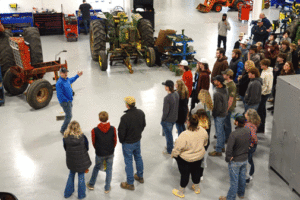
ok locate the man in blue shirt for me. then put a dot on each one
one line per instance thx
(65, 95)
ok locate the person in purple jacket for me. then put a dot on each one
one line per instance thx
(65, 95)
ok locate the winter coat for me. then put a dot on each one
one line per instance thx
(78, 159)
(234, 65)
(170, 107)
(131, 126)
(201, 81)
(253, 92)
(182, 110)
(219, 66)
(260, 33)
(220, 102)
(243, 83)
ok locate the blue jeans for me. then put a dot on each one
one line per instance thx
(227, 125)
(180, 128)
(247, 107)
(237, 173)
(262, 111)
(67, 107)
(297, 71)
(70, 185)
(98, 163)
(220, 132)
(167, 128)
(134, 150)
(250, 159)
(86, 24)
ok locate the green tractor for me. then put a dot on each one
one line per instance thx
(127, 40)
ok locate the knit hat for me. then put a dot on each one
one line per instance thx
(129, 100)
(219, 78)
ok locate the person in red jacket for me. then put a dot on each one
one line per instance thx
(187, 76)
(104, 139)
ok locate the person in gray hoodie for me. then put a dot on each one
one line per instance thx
(219, 113)
(170, 114)
(223, 27)
(253, 92)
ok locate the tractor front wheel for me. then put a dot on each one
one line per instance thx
(238, 3)
(150, 57)
(102, 60)
(13, 84)
(39, 94)
(217, 7)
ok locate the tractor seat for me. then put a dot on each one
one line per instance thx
(7, 196)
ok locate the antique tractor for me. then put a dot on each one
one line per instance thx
(127, 40)
(29, 68)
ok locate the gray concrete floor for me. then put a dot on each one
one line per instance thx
(33, 162)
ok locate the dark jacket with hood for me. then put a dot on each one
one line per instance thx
(201, 81)
(234, 65)
(219, 66)
(182, 110)
(78, 159)
(131, 126)
(220, 102)
(243, 83)
(104, 139)
(253, 93)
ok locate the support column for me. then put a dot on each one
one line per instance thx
(257, 8)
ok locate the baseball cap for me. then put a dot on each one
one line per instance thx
(129, 100)
(219, 78)
(168, 83)
(63, 70)
(241, 34)
(228, 72)
(240, 119)
(184, 63)
(203, 60)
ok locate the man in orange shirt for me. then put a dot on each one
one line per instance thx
(187, 76)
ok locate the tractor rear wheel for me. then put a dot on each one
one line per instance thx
(146, 30)
(150, 57)
(103, 60)
(32, 36)
(217, 7)
(13, 84)
(7, 59)
(97, 38)
(237, 4)
(39, 94)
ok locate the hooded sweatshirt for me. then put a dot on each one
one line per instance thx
(219, 66)
(222, 28)
(253, 92)
(267, 77)
(220, 102)
(104, 139)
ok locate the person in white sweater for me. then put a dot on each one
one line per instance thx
(189, 151)
(267, 78)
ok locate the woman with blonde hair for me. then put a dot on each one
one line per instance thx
(253, 121)
(76, 146)
(243, 80)
(183, 92)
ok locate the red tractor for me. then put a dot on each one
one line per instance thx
(27, 67)
(217, 5)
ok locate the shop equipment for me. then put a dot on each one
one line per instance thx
(16, 22)
(146, 9)
(244, 12)
(30, 69)
(80, 22)
(70, 27)
(127, 40)
(216, 5)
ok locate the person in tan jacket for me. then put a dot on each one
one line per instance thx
(189, 151)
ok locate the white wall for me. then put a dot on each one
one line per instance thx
(69, 6)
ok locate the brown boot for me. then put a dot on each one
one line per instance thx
(223, 149)
(127, 186)
(141, 180)
(214, 153)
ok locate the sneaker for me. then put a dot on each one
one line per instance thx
(222, 198)
(166, 153)
(89, 186)
(127, 186)
(271, 108)
(223, 149)
(196, 188)
(178, 193)
(214, 153)
(249, 179)
(107, 191)
(141, 180)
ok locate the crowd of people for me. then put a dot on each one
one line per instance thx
(250, 77)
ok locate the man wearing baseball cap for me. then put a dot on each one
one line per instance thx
(65, 95)
(231, 87)
(219, 113)
(259, 32)
(170, 114)
(130, 131)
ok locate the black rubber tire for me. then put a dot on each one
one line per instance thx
(39, 87)
(32, 36)
(8, 83)
(97, 38)
(7, 58)
(150, 57)
(216, 6)
(236, 6)
(102, 60)
(146, 31)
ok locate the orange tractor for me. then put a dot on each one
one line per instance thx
(217, 5)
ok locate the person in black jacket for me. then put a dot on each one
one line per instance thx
(104, 138)
(237, 158)
(253, 92)
(259, 32)
(244, 79)
(78, 160)
(130, 131)
(84, 8)
(183, 105)
(237, 43)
